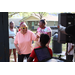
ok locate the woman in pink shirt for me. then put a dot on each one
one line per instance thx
(23, 42)
(43, 29)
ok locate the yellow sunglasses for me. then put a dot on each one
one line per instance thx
(23, 27)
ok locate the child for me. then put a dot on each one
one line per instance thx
(44, 39)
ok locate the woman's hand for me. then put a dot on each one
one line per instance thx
(19, 52)
(11, 37)
(47, 45)
(37, 36)
(58, 26)
(17, 48)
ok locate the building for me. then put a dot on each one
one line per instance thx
(32, 21)
(15, 20)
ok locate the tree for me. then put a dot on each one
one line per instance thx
(10, 14)
(27, 14)
(23, 14)
(40, 14)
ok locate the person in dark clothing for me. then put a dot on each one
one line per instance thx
(70, 30)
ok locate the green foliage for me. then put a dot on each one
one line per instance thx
(10, 14)
(23, 14)
(27, 14)
(40, 14)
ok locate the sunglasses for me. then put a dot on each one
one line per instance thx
(23, 27)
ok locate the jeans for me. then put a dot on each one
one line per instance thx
(22, 56)
(70, 58)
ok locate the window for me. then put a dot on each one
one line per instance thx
(32, 23)
(36, 23)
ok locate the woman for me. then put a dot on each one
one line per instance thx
(24, 40)
(12, 34)
(43, 30)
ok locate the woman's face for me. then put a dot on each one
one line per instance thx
(41, 25)
(12, 25)
(23, 28)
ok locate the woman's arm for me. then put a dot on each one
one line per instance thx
(17, 48)
(30, 59)
(71, 49)
(49, 34)
(11, 37)
(34, 37)
(32, 56)
(62, 29)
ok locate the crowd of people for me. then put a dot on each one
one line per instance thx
(22, 40)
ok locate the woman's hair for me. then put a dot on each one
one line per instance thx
(43, 21)
(23, 23)
(11, 22)
(44, 38)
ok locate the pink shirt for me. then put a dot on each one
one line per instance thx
(44, 31)
(25, 41)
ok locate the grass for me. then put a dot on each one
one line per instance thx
(50, 45)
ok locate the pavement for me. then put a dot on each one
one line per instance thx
(12, 60)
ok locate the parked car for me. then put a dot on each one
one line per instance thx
(53, 27)
(17, 26)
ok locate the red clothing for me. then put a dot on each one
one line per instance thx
(19, 30)
(33, 55)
